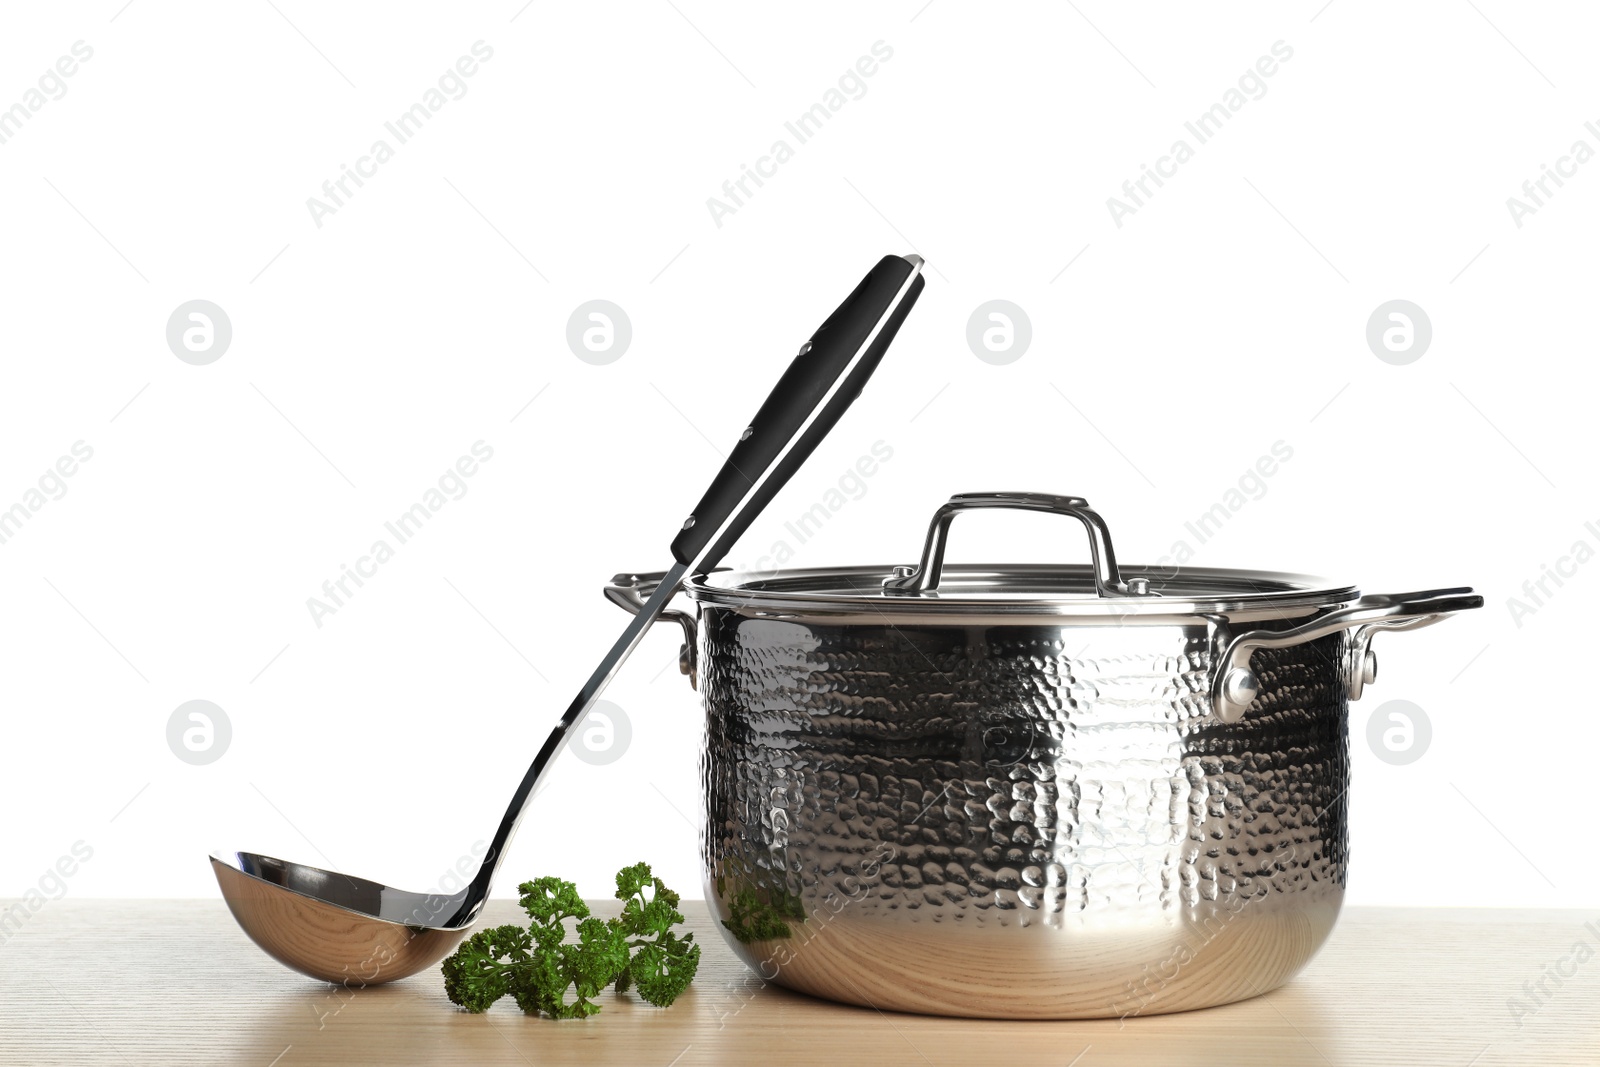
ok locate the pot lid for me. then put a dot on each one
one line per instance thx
(1100, 588)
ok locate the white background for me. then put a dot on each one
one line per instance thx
(1227, 314)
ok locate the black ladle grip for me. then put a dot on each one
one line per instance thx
(808, 400)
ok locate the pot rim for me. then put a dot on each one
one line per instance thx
(1016, 591)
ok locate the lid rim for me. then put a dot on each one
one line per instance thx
(754, 591)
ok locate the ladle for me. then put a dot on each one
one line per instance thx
(349, 930)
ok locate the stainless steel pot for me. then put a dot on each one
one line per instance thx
(1029, 791)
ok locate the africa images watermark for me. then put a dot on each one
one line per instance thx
(1537, 190)
(434, 906)
(852, 889)
(402, 529)
(51, 885)
(1538, 992)
(1139, 994)
(850, 485)
(809, 123)
(52, 485)
(52, 85)
(1536, 592)
(1252, 85)
(1251, 485)
(336, 191)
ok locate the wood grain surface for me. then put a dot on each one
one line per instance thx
(176, 982)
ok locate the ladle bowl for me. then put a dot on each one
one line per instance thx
(332, 926)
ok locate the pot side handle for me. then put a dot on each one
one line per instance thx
(1236, 686)
(630, 591)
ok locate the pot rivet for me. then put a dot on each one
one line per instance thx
(805, 348)
(688, 523)
(748, 431)
(1369, 667)
(1239, 690)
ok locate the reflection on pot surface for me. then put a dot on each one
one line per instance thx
(1017, 821)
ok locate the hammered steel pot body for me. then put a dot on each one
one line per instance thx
(1018, 820)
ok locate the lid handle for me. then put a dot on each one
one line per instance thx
(924, 578)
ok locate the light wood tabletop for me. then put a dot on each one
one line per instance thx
(176, 982)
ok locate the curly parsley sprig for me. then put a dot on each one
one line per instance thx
(538, 967)
(663, 963)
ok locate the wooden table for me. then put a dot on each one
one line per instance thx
(175, 982)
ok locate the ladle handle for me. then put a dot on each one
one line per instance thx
(816, 389)
(820, 384)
